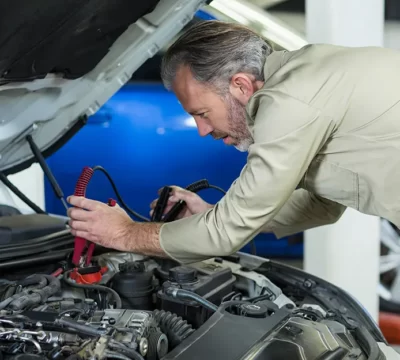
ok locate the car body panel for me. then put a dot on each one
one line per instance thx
(46, 108)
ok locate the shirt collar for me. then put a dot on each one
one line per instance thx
(273, 63)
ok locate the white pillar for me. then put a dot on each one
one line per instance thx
(346, 253)
(345, 22)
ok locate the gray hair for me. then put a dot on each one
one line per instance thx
(215, 51)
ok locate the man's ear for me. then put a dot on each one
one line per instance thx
(242, 87)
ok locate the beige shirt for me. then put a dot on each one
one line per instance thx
(326, 126)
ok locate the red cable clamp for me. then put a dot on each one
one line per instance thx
(90, 276)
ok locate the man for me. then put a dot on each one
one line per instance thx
(321, 126)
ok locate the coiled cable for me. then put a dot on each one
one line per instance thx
(117, 194)
(87, 174)
(194, 187)
(83, 182)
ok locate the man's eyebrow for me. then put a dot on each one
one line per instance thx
(197, 112)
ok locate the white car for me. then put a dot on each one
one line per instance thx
(59, 63)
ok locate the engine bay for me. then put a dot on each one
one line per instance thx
(127, 306)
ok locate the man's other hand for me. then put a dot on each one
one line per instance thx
(194, 203)
(97, 222)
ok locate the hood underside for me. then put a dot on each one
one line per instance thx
(60, 61)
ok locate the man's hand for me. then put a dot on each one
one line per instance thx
(194, 203)
(97, 222)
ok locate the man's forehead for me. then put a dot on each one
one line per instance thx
(184, 80)
(190, 92)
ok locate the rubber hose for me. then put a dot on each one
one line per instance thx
(85, 329)
(118, 302)
(173, 326)
(25, 301)
(40, 280)
(38, 296)
(6, 302)
(188, 295)
(10, 292)
(7, 282)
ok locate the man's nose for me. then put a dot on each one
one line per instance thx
(203, 128)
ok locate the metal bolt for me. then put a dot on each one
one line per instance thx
(307, 284)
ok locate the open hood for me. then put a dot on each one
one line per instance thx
(60, 61)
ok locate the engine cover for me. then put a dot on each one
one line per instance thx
(282, 335)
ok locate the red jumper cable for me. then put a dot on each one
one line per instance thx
(80, 258)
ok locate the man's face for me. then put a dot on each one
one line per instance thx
(222, 117)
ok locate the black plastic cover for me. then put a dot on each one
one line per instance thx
(276, 337)
(70, 36)
(226, 336)
(21, 228)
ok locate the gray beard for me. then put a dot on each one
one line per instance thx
(244, 145)
(238, 125)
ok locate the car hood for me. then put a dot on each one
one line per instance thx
(61, 61)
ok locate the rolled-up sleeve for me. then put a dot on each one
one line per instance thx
(287, 135)
(304, 210)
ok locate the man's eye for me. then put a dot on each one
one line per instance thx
(203, 115)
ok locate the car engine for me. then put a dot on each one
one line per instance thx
(127, 306)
